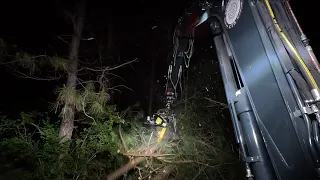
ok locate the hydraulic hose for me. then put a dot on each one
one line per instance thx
(304, 39)
(310, 78)
(315, 126)
(307, 122)
(310, 142)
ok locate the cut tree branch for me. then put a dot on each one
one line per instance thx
(147, 155)
(130, 165)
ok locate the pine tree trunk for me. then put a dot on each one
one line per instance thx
(68, 111)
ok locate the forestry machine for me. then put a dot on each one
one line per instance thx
(271, 79)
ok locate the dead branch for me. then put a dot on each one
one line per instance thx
(37, 127)
(194, 96)
(22, 75)
(108, 68)
(103, 80)
(63, 40)
(112, 88)
(116, 76)
(147, 155)
(9, 62)
(216, 102)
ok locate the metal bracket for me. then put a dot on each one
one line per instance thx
(253, 159)
(305, 110)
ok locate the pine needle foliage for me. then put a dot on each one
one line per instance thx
(86, 100)
(27, 61)
(58, 63)
(30, 149)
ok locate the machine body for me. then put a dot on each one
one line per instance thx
(270, 76)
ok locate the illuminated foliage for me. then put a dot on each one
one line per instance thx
(31, 145)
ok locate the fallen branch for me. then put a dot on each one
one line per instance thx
(130, 165)
(147, 155)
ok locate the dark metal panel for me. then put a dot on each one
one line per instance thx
(279, 68)
(227, 78)
(267, 101)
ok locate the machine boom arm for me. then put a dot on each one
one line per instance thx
(274, 110)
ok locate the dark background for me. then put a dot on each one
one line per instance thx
(141, 30)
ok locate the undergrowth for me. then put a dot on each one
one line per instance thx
(30, 148)
(202, 152)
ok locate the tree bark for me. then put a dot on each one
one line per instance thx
(68, 111)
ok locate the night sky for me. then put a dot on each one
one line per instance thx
(140, 31)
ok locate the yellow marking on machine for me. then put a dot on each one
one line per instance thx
(163, 131)
(158, 120)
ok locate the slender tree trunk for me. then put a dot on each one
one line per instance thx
(68, 111)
